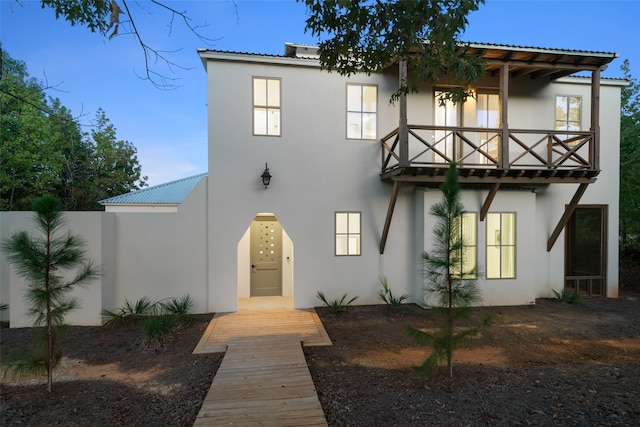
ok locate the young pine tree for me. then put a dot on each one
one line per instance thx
(43, 261)
(453, 289)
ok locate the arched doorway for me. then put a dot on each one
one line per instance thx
(265, 265)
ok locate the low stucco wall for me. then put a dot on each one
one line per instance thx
(157, 255)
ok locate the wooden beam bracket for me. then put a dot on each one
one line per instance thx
(387, 222)
(489, 200)
(568, 211)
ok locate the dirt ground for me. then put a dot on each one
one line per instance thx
(546, 364)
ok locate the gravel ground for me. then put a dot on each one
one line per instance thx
(548, 364)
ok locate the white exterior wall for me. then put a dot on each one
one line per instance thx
(86, 225)
(316, 171)
(158, 255)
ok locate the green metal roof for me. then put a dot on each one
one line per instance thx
(170, 193)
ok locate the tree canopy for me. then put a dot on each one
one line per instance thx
(43, 149)
(630, 162)
(369, 35)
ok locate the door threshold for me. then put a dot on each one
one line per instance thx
(264, 303)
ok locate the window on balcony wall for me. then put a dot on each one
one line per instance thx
(481, 111)
(347, 233)
(568, 114)
(266, 106)
(362, 108)
(501, 245)
(466, 259)
(488, 116)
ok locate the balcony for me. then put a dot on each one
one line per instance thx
(529, 157)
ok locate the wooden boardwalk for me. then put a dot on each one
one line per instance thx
(263, 379)
(251, 323)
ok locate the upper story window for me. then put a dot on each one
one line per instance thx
(347, 233)
(362, 108)
(266, 106)
(501, 245)
(568, 113)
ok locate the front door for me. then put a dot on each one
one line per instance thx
(266, 256)
(585, 265)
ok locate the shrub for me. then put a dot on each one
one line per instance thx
(336, 306)
(386, 295)
(566, 296)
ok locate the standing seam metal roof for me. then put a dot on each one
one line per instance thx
(170, 193)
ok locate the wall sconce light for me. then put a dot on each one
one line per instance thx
(471, 91)
(266, 176)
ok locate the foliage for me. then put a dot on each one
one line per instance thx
(630, 168)
(157, 319)
(368, 36)
(44, 261)
(453, 290)
(564, 295)
(386, 295)
(336, 306)
(44, 151)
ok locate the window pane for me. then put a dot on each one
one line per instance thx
(273, 92)
(469, 229)
(341, 223)
(469, 259)
(354, 223)
(274, 122)
(369, 98)
(354, 129)
(260, 92)
(260, 121)
(342, 245)
(493, 229)
(354, 245)
(493, 262)
(369, 126)
(508, 260)
(508, 229)
(354, 98)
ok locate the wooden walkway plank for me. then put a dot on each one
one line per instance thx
(264, 378)
(262, 381)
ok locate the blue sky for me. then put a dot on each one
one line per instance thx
(169, 128)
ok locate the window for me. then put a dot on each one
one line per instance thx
(266, 106)
(568, 113)
(465, 261)
(488, 116)
(347, 233)
(362, 103)
(501, 246)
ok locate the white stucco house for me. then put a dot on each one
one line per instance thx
(352, 182)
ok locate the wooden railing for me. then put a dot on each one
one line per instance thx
(483, 148)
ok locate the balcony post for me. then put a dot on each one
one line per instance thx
(595, 119)
(504, 116)
(403, 128)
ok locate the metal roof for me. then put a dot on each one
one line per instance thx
(170, 193)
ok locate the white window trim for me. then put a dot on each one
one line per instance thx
(254, 106)
(361, 112)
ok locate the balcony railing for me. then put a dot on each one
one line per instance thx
(482, 148)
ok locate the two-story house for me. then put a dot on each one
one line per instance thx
(353, 176)
(317, 182)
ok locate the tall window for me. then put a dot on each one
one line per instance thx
(501, 245)
(465, 266)
(488, 116)
(266, 106)
(347, 233)
(568, 113)
(362, 101)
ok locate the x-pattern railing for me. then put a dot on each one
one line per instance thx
(482, 147)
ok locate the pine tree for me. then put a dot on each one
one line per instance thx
(453, 289)
(43, 261)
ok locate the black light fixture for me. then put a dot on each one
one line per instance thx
(266, 176)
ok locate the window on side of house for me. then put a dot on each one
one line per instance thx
(568, 114)
(501, 245)
(466, 259)
(362, 109)
(266, 106)
(347, 232)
